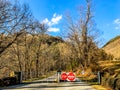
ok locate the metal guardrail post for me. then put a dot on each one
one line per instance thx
(58, 77)
(99, 77)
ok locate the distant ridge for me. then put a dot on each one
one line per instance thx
(113, 47)
(112, 40)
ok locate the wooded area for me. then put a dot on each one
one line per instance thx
(25, 46)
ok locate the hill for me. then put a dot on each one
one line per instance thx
(113, 47)
(111, 68)
(30, 51)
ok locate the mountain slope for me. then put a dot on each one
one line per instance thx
(113, 47)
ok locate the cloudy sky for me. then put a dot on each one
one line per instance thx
(52, 22)
(52, 12)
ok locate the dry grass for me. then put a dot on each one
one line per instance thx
(110, 65)
(99, 87)
(113, 48)
(88, 74)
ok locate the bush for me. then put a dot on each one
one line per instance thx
(104, 80)
(1, 82)
(8, 81)
(13, 81)
(117, 84)
(111, 83)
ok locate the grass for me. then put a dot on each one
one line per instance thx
(97, 86)
(43, 76)
(32, 79)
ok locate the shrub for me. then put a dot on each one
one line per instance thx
(117, 84)
(13, 80)
(1, 82)
(111, 83)
(8, 81)
(104, 80)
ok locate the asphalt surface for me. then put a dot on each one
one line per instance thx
(47, 84)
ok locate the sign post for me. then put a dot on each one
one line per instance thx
(58, 75)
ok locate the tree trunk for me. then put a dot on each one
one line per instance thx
(37, 65)
(18, 55)
(84, 45)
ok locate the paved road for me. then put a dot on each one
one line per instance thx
(44, 85)
(52, 86)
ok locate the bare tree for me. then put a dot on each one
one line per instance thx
(12, 19)
(80, 35)
(84, 26)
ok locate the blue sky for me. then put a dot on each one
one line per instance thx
(52, 12)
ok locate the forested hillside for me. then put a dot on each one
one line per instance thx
(25, 47)
(37, 54)
(32, 54)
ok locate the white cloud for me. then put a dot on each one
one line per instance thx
(117, 23)
(54, 21)
(45, 21)
(53, 29)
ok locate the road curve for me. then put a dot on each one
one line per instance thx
(51, 86)
(48, 84)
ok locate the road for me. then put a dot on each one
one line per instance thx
(46, 84)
